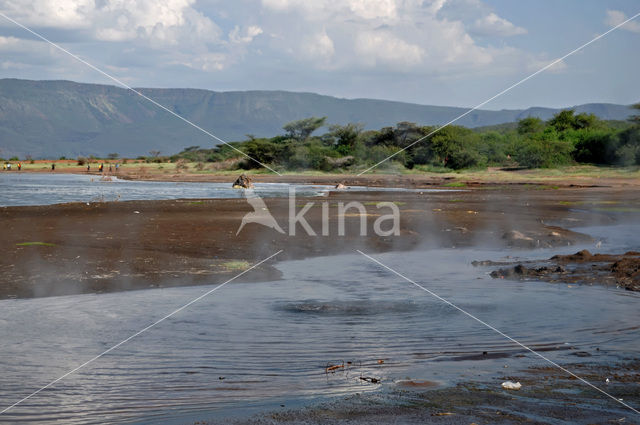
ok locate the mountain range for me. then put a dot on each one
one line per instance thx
(48, 119)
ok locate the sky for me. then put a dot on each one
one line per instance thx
(435, 52)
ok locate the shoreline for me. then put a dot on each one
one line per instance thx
(566, 177)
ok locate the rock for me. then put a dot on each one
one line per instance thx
(518, 239)
(511, 272)
(243, 182)
(520, 270)
(580, 256)
(508, 385)
(340, 186)
(514, 235)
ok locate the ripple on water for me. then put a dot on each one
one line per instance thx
(248, 343)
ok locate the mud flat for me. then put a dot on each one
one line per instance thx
(547, 395)
(112, 246)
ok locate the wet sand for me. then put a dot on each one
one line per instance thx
(111, 246)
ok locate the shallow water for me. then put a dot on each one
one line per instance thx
(272, 341)
(48, 188)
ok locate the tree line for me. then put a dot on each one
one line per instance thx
(567, 138)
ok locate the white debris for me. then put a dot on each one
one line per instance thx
(136, 212)
(508, 385)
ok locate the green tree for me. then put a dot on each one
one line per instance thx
(530, 125)
(596, 146)
(344, 137)
(563, 120)
(301, 129)
(584, 120)
(457, 147)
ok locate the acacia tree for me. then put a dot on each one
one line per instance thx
(344, 137)
(302, 129)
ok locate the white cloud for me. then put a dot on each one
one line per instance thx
(616, 17)
(382, 47)
(204, 62)
(163, 30)
(371, 9)
(338, 9)
(250, 33)
(405, 36)
(69, 14)
(156, 21)
(494, 25)
(318, 47)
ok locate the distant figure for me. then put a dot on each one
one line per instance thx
(117, 166)
(88, 168)
(243, 182)
(110, 169)
(19, 166)
(100, 167)
(9, 167)
(53, 167)
(4, 167)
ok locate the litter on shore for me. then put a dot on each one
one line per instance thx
(508, 385)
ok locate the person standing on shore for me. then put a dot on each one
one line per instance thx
(100, 167)
(9, 167)
(88, 168)
(19, 166)
(53, 167)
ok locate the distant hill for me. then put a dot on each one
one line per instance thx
(55, 118)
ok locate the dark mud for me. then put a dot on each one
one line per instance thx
(547, 395)
(115, 246)
(582, 267)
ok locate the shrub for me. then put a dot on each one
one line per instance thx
(596, 148)
(628, 155)
(543, 153)
(465, 158)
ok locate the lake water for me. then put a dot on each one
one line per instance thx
(49, 188)
(255, 346)
(272, 341)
